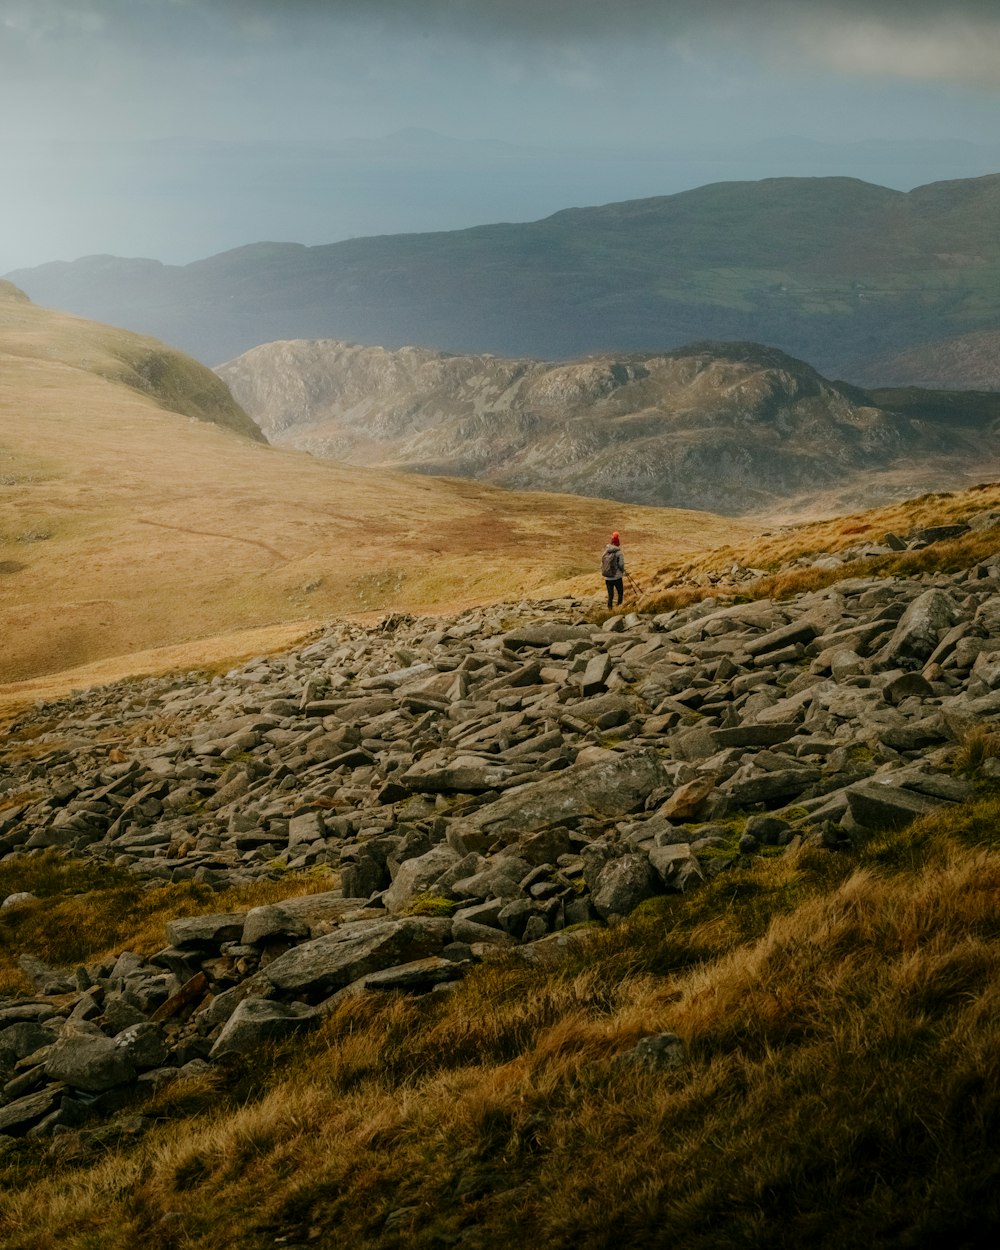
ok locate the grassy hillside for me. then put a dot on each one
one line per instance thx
(172, 380)
(835, 1083)
(839, 1014)
(124, 527)
(833, 270)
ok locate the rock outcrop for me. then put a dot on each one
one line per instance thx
(731, 427)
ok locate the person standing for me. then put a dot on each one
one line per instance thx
(613, 569)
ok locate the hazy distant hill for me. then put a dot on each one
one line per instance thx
(833, 270)
(966, 362)
(733, 427)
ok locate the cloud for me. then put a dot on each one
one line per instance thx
(921, 40)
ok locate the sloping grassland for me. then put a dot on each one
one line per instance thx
(125, 527)
(840, 1016)
(838, 1011)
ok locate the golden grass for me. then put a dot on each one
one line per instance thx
(671, 586)
(86, 912)
(840, 1016)
(163, 531)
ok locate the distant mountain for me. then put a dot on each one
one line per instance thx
(966, 362)
(833, 270)
(732, 427)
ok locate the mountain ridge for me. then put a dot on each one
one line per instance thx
(834, 270)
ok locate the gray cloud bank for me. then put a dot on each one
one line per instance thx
(922, 39)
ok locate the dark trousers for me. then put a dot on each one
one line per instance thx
(614, 584)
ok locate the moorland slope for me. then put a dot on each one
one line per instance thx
(832, 270)
(125, 526)
(732, 427)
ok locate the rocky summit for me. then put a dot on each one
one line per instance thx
(498, 781)
(731, 427)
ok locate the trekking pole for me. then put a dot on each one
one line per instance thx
(631, 581)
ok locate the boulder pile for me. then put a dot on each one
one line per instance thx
(488, 782)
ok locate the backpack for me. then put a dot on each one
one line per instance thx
(609, 564)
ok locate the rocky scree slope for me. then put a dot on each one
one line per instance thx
(731, 427)
(495, 781)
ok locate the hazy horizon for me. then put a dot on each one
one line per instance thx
(175, 129)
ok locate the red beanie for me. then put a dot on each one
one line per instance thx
(615, 539)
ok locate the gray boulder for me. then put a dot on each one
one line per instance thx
(417, 976)
(543, 634)
(622, 884)
(206, 931)
(617, 785)
(332, 961)
(675, 865)
(876, 805)
(259, 1021)
(270, 923)
(463, 775)
(144, 1044)
(919, 630)
(18, 1116)
(93, 1064)
(416, 876)
(25, 1038)
(604, 711)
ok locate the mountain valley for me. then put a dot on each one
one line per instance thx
(138, 515)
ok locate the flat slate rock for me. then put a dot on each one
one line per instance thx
(878, 805)
(419, 974)
(355, 950)
(200, 931)
(22, 1113)
(620, 783)
(544, 634)
(259, 1021)
(766, 735)
(93, 1064)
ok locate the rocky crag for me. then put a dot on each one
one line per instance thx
(496, 781)
(731, 427)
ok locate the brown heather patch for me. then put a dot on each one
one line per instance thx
(978, 745)
(841, 1016)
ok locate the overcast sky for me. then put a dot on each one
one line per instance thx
(176, 128)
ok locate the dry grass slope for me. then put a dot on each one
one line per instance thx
(840, 1014)
(673, 584)
(126, 528)
(841, 1017)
